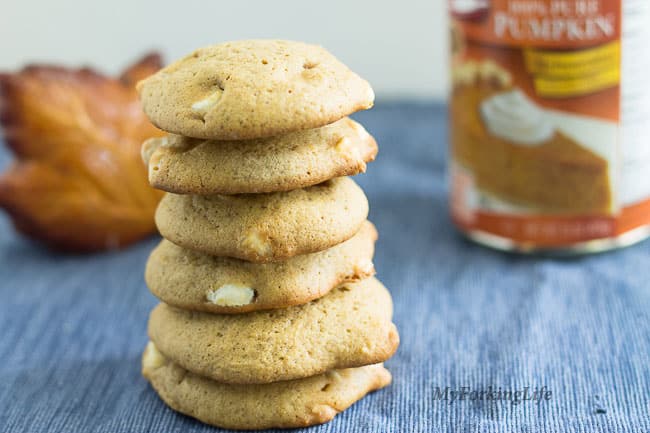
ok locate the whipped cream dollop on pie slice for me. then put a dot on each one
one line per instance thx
(512, 116)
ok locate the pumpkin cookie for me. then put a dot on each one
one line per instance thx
(193, 166)
(196, 281)
(349, 327)
(250, 89)
(265, 227)
(297, 403)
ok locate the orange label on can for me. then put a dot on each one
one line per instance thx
(549, 118)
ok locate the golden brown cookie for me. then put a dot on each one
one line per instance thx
(297, 403)
(251, 89)
(194, 166)
(196, 281)
(349, 327)
(265, 227)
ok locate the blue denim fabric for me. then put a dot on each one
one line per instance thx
(73, 327)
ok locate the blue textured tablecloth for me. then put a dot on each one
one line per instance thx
(73, 327)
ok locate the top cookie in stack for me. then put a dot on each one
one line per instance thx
(253, 89)
(266, 269)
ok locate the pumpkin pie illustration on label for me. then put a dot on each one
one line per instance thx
(514, 150)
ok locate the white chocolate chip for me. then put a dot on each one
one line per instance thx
(323, 411)
(152, 358)
(344, 146)
(175, 143)
(150, 146)
(202, 106)
(365, 267)
(231, 295)
(254, 241)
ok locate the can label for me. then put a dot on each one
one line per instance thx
(550, 118)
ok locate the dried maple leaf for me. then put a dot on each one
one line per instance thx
(78, 182)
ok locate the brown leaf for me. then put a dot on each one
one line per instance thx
(78, 182)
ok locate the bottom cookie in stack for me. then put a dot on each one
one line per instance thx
(295, 403)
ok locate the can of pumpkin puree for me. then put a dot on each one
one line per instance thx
(549, 118)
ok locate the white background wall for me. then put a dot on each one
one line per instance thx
(399, 46)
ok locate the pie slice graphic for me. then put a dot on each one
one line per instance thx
(554, 174)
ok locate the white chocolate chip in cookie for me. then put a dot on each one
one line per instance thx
(149, 147)
(323, 411)
(345, 147)
(175, 142)
(231, 295)
(365, 267)
(258, 243)
(202, 106)
(152, 358)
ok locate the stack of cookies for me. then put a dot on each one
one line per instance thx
(270, 314)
